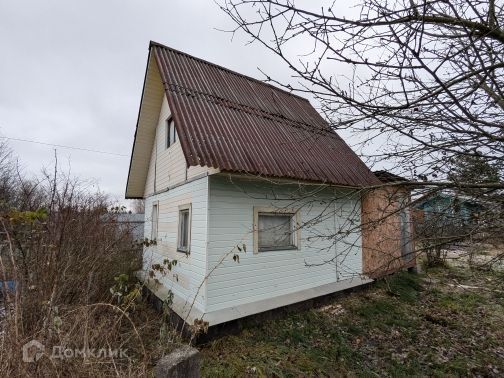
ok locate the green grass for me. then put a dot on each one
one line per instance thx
(463, 302)
(405, 285)
(402, 326)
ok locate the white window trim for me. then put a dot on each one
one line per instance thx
(156, 233)
(180, 208)
(275, 210)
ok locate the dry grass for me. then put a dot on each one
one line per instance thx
(63, 248)
(443, 322)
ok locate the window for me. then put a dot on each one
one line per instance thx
(154, 221)
(275, 229)
(184, 229)
(171, 132)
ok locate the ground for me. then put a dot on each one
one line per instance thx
(446, 321)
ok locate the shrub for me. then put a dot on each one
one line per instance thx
(64, 250)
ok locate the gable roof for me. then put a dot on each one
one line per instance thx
(235, 123)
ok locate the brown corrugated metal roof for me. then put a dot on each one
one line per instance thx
(235, 123)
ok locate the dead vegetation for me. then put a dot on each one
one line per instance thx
(67, 283)
(447, 321)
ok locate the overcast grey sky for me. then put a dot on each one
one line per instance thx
(71, 73)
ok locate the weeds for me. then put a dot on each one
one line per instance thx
(75, 295)
(403, 326)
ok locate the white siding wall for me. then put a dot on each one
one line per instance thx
(167, 165)
(269, 274)
(190, 270)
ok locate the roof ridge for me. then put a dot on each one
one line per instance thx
(157, 44)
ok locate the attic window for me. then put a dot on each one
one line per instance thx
(171, 132)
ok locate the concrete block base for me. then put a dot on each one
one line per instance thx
(182, 362)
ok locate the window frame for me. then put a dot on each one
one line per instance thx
(154, 220)
(295, 223)
(184, 208)
(168, 135)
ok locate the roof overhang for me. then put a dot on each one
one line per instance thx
(145, 132)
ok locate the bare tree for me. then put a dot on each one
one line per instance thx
(138, 206)
(64, 260)
(426, 76)
(418, 83)
(7, 169)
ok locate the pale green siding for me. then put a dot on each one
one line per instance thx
(266, 275)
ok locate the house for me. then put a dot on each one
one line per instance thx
(447, 216)
(387, 227)
(449, 208)
(246, 187)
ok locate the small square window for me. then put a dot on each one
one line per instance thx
(276, 231)
(184, 229)
(171, 132)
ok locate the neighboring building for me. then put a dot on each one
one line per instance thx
(387, 227)
(449, 208)
(247, 187)
(134, 222)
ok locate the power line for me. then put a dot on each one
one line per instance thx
(63, 146)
